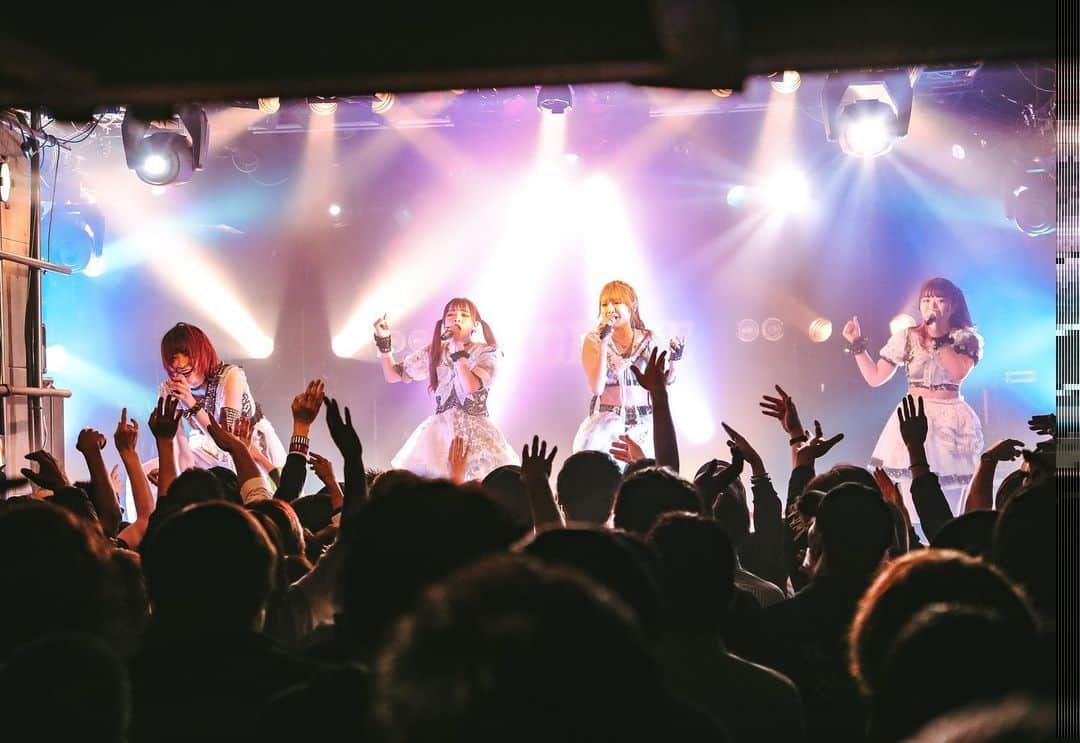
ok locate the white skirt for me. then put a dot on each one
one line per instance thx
(599, 431)
(428, 448)
(954, 443)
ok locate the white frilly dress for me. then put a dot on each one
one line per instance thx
(426, 452)
(954, 442)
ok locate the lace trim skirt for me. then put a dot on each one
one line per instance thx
(426, 451)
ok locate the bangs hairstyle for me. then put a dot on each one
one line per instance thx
(940, 287)
(622, 293)
(189, 340)
(435, 349)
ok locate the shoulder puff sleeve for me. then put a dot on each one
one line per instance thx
(485, 364)
(896, 350)
(969, 343)
(414, 367)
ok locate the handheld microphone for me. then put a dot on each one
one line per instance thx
(932, 319)
(446, 335)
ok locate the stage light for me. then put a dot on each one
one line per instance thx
(74, 235)
(789, 191)
(1030, 196)
(557, 99)
(383, 102)
(5, 181)
(322, 105)
(867, 128)
(334, 210)
(787, 81)
(959, 152)
(820, 330)
(867, 112)
(747, 330)
(56, 359)
(901, 322)
(270, 105)
(157, 190)
(772, 329)
(722, 92)
(95, 266)
(166, 150)
(736, 196)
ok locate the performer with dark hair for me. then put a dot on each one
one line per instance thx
(460, 372)
(937, 355)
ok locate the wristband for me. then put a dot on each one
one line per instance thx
(857, 346)
(299, 445)
(800, 439)
(383, 343)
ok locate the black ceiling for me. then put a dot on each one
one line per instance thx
(101, 55)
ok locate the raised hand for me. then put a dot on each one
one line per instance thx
(180, 390)
(718, 476)
(322, 468)
(382, 327)
(1005, 450)
(165, 419)
(536, 462)
(654, 379)
(90, 440)
(738, 443)
(1044, 425)
(817, 447)
(783, 409)
(50, 475)
(625, 449)
(127, 433)
(891, 493)
(225, 439)
(458, 459)
(243, 429)
(114, 479)
(913, 424)
(306, 405)
(342, 431)
(852, 330)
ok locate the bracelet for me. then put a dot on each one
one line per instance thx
(675, 353)
(605, 332)
(857, 346)
(299, 445)
(800, 439)
(459, 355)
(193, 410)
(945, 340)
(383, 343)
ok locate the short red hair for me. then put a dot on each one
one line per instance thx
(193, 342)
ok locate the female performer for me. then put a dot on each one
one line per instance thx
(205, 387)
(619, 406)
(460, 372)
(937, 355)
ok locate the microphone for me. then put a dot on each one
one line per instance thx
(932, 319)
(446, 335)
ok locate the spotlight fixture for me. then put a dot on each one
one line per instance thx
(168, 149)
(270, 105)
(722, 92)
(866, 112)
(382, 103)
(787, 81)
(772, 328)
(558, 99)
(76, 237)
(322, 105)
(1029, 188)
(820, 330)
(5, 181)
